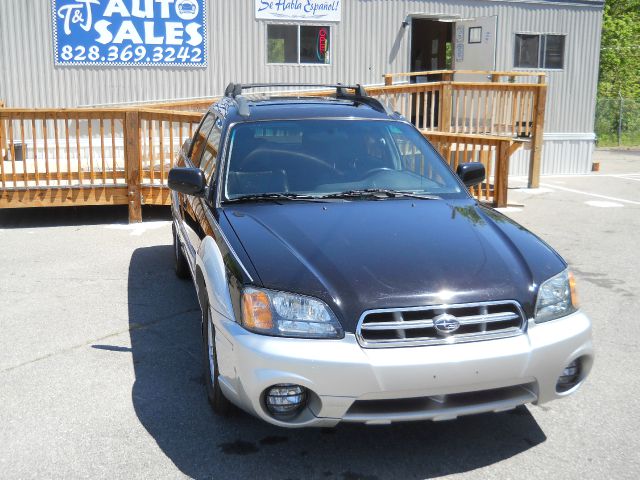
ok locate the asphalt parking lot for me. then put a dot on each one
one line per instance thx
(100, 372)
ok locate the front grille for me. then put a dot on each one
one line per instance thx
(440, 407)
(440, 324)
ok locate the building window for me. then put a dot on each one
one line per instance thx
(475, 34)
(306, 44)
(539, 51)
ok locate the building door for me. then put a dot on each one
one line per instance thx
(474, 47)
(429, 39)
(430, 50)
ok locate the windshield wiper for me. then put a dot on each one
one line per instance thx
(380, 193)
(256, 197)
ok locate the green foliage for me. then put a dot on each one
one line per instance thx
(620, 50)
(275, 50)
(618, 122)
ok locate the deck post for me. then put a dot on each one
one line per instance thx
(132, 165)
(539, 106)
(444, 122)
(4, 154)
(388, 79)
(501, 175)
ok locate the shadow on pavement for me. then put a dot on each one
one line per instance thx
(75, 216)
(169, 399)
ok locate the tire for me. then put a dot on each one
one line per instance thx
(180, 262)
(219, 403)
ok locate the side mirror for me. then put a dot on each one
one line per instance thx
(190, 181)
(471, 173)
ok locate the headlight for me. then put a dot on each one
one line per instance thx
(288, 315)
(556, 297)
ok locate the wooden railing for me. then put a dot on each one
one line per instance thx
(513, 108)
(160, 134)
(62, 147)
(449, 75)
(192, 105)
(492, 151)
(123, 156)
(89, 156)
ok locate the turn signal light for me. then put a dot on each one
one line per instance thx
(574, 293)
(256, 310)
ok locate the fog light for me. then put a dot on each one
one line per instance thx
(285, 399)
(570, 377)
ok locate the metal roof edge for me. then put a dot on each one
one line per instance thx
(570, 3)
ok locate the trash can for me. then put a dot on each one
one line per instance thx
(19, 151)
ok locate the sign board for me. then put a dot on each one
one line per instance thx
(459, 43)
(299, 10)
(323, 44)
(130, 32)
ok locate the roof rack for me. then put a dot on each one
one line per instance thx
(234, 90)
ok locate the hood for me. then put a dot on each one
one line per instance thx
(361, 255)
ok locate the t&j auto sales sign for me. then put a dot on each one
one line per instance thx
(130, 32)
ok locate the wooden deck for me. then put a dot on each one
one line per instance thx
(122, 156)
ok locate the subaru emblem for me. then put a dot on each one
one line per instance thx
(446, 324)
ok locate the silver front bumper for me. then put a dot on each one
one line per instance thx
(384, 385)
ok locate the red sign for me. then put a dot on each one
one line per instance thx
(322, 42)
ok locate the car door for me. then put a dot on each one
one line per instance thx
(198, 225)
(188, 204)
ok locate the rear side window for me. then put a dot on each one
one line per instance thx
(200, 139)
(209, 157)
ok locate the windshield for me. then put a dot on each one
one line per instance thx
(327, 157)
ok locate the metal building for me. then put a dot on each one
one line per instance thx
(153, 50)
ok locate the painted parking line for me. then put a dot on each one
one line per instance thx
(533, 191)
(603, 204)
(581, 175)
(590, 194)
(138, 229)
(628, 176)
(509, 209)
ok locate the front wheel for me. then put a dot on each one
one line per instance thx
(217, 400)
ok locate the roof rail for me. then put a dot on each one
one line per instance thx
(234, 90)
(243, 106)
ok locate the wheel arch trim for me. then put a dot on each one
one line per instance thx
(212, 280)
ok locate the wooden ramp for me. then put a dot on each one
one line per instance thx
(122, 156)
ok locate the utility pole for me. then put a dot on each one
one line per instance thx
(620, 119)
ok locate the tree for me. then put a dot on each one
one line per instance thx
(620, 50)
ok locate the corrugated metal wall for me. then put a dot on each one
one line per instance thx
(559, 156)
(368, 42)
